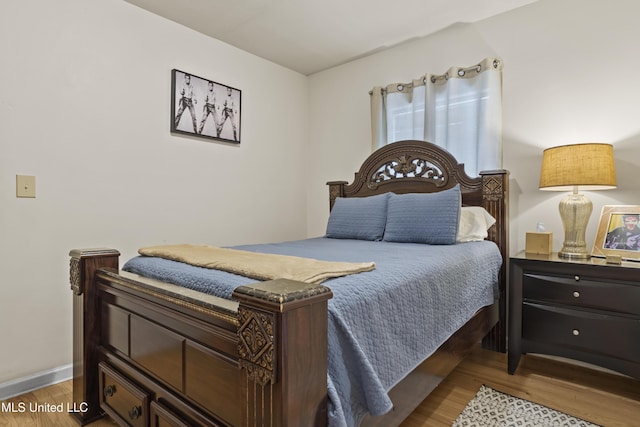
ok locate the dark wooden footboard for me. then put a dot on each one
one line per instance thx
(147, 352)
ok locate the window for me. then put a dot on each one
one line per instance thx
(460, 111)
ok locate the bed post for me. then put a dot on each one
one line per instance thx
(336, 189)
(495, 190)
(282, 349)
(86, 328)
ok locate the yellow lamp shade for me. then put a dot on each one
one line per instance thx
(589, 166)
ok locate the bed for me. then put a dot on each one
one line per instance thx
(272, 352)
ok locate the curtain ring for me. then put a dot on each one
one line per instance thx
(400, 88)
(496, 63)
(433, 79)
(461, 73)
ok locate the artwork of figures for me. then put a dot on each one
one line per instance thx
(204, 108)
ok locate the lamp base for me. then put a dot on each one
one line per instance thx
(573, 255)
(575, 210)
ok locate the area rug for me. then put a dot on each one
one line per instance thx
(491, 408)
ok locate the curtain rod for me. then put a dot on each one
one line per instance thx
(435, 78)
(462, 71)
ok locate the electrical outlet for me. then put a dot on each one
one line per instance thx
(25, 186)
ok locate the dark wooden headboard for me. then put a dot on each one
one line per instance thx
(421, 167)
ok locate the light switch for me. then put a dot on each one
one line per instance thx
(25, 186)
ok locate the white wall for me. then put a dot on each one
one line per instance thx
(569, 77)
(85, 107)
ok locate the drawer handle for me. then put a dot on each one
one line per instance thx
(135, 412)
(577, 278)
(109, 390)
(576, 332)
(576, 294)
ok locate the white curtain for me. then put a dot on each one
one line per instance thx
(460, 111)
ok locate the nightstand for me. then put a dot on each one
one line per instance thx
(585, 310)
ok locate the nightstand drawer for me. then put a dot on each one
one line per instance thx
(582, 330)
(581, 291)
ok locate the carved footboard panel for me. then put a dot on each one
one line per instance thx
(145, 352)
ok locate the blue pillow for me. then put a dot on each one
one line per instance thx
(361, 218)
(430, 218)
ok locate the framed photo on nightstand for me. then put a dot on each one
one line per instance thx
(618, 232)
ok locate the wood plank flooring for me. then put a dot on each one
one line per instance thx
(603, 398)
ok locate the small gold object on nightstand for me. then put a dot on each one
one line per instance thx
(539, 242)
(614, 259)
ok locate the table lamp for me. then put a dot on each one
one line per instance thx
(586, 166)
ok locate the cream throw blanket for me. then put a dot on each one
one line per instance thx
(257, 265)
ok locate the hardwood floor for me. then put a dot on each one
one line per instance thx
(602, 398)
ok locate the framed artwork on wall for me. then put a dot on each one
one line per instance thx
(204, 108)
(618, 232)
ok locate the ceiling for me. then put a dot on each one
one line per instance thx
(310, 36)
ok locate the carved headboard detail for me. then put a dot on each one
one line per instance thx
(409, 167)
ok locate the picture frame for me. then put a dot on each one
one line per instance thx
(618, 232)
(205, 108)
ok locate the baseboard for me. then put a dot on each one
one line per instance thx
(20, 386)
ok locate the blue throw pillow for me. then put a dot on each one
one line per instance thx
(361, 218)
(430, 218)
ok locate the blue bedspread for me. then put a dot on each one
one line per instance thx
(375, 337)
